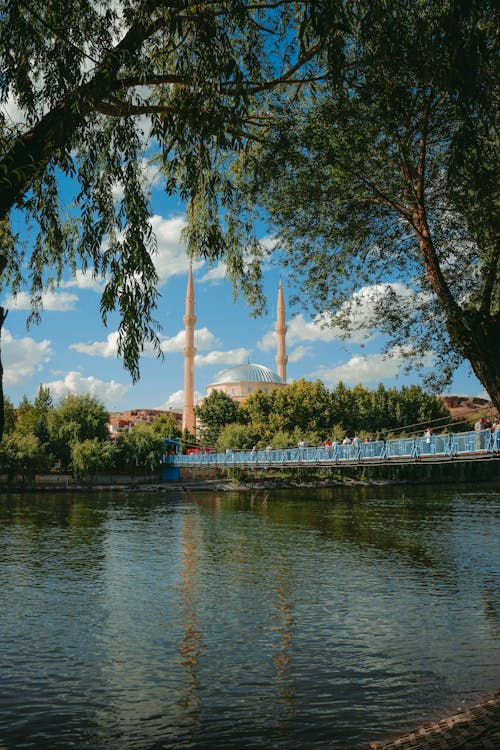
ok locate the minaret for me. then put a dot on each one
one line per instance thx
(188, 420)
(281, 329)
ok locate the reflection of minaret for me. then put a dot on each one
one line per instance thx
(284, 626)
(281, 328)
(191, 646)
(188, 422)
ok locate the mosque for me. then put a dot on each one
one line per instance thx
(237, 382)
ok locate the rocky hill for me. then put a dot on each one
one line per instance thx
(468, 407)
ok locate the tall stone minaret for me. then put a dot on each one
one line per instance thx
(188, 420)
(281, 329)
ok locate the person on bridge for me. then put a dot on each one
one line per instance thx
(495, 431)
(480, 429)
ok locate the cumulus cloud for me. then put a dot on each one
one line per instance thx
(360, 310)
(22, 358)
(363, 309)
(214, 274)
(203, 338)
(230, 357)
(176, 400)
(84, 280)
(75, 383)
(171, 258)
(51, 300)
(107, 348)
(369, 368)
(299, 353)
(270, 242)
(299, 329)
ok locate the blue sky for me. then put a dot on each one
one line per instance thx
(72, 352)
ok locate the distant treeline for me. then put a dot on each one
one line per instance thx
(73, 435)
(309, 411)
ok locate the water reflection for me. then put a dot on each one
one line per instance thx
(283, 628)
(325, 619)
(191, 645)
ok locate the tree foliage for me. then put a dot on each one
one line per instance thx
(23, 455)
(165, 426)
(142, 448)
(237, 437)
(91, 89)
(383, 189)
(89, 457)
(311, 412)
(77, 418)
(215, 412)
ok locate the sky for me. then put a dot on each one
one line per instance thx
(71, 351)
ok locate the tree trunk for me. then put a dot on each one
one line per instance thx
(475, 334)
(477, 337)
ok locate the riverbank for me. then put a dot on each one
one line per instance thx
(473, 728)
(65, 483)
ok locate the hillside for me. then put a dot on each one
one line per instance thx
(464, 408)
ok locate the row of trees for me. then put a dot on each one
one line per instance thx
(40, 437)
(310, 411)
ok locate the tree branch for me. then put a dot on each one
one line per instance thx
(33, 150)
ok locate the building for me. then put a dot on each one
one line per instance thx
(242, 380)
(239, 381)
(121, 422)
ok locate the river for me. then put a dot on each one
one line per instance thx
(283, 620)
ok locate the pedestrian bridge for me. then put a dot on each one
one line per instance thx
(463, 446)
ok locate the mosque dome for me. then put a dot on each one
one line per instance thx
(248, 373)
(242, 380)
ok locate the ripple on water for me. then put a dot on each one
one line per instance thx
(211, 622)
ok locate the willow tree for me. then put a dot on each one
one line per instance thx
(384, 188)
(88, 89)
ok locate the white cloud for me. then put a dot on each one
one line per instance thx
(369, 368)
(361, 313)
(203, 340)
(84, 280)
(176, 400)
(107, 348)
(299, 353)
(22, 358)
(53, 301)
(15, 114)
(231, 357)
(171, 258)
(214, 274)
(173, 344)
(300, 330)
(267, 342)
(269, 242)
(74, 383)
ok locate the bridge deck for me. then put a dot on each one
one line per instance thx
(463, 446)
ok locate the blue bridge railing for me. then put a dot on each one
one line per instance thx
(463, 445)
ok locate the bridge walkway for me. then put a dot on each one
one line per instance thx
(463, 446)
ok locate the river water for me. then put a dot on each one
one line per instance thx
(294, 619)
